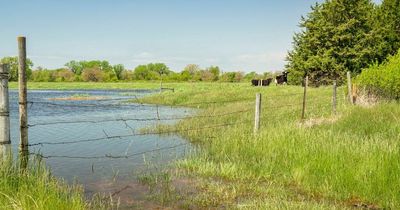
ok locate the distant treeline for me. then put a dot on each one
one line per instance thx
(103, 71)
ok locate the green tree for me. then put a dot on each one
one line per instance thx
(13, 67)
(230, 76)
(118, 69)
(141, 72)
(337, 36)
(151, 71)
(192, 72)
(215, 71)
(387, 28)
(42, 75)
(75, 66)
(250, 76)
(159, 68)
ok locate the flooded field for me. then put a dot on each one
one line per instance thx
(55, 120)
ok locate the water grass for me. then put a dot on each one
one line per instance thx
(325, 161)
(35, 188)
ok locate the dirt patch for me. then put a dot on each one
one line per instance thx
(124, 194)
(132, 194)
(358, 203)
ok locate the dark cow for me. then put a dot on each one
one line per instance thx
(263, 82)
(255, 82)
(281, 79)
(266, 82)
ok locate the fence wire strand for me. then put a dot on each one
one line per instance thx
(108, 155)
(137, 134)
(139, 119)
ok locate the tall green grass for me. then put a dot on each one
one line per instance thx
(35, 188)
(341, 161)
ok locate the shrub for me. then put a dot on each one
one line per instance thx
(231, 77)
(93, 75)
(42, 76)
(382, 80)
(109, 76)
(64, 75)
(206, 75)
(127, 75)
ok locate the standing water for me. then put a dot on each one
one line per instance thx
(56, 117)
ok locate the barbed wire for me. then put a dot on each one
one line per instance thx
(108, 155)
(130, 102)
(138, 119)
(31, 103)
(136, 134)
(136, 102)
(281, 95)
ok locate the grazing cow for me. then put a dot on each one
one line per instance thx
(266, 82)
(263, 82)
(281, 79)
(255, 82)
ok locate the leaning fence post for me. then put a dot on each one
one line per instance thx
(334, 97)
(349, 86)
(303, 113)
(5, 140)
(257, 113)
(23, 112)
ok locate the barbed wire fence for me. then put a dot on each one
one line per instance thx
(136, 103)
(305, 105)
(303, 101)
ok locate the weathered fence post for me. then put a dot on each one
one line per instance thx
(23, 112)
(257, 113)
(303, 113)
(5, 140)
(349, 86)
(334, 97)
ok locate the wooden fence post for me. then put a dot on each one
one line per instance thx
(23, 112)
(349, 86)
(5, 140)
(257, 113)
(303, 113)
(334, 97)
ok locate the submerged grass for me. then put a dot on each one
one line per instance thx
(37, 189)
(323, 162)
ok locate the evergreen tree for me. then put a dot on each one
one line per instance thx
(336, 37)
(387, 28)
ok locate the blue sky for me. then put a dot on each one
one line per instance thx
(237, 35)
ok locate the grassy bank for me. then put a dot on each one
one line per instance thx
(36, 189)
(324, 162)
